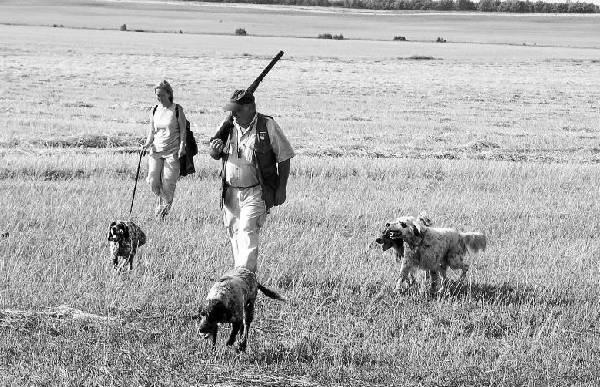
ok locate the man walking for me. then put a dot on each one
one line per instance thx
(256, 164)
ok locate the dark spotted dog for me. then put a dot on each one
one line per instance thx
(124, 238)
(231, 300)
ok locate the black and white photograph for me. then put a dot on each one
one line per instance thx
(300, 193)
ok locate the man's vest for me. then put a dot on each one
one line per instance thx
(264, 159)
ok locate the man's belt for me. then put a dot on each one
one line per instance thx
(227, 185)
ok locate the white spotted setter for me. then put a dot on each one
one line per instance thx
(432, 249)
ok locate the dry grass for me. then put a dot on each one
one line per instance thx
(502, 140)
(529, 307)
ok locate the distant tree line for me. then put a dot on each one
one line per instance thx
(516, 6)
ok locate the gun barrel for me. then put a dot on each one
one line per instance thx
(258, 80)
(226, 127)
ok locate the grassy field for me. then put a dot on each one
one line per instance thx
(498, 138)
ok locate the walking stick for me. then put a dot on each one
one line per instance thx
(137, 174)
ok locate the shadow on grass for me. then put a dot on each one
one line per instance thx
(505, 294)
(313, 349)
(502, 294)
(302, 350)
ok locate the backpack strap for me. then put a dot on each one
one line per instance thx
(176, 111)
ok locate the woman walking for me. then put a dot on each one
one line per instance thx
(166, 143)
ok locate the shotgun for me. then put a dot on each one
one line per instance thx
(225, 129)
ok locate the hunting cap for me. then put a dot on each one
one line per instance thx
(237, 99)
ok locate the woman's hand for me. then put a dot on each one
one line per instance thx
(144, 148)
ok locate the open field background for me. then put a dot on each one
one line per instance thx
(265, 20)
(498, 138)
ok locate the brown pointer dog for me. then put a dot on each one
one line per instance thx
(231, 300)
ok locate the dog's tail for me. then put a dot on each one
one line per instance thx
(142, 239)
(270, 293)
(475, 241)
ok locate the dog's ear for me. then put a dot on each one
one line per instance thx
(217, 311)
(416, 231)
(110, 229)
(125, 230)
(224, 312)
(419, 226)
(423, 218)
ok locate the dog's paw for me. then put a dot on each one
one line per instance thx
(439, 292)
(212, 338)
(120, 268)
(241, 347)
(401, 287)
(230, 342)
